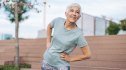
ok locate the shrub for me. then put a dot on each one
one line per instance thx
(24, 65)
(1, 67)
(113, 28)
(12, 66)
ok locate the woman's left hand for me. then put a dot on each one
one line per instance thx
(65, 56)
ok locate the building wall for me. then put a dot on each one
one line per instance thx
(5, 36)
(100, 26)
(92, 25)
(86, 23)
(42, 33)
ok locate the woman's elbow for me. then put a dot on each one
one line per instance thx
(88, 56)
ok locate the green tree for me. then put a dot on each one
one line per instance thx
(16, 12)
(123, 24)
(113, 28)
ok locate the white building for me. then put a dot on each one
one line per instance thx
(4, 36)
(92, 25)
(42, 33)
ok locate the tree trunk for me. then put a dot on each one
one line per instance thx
(16, 36)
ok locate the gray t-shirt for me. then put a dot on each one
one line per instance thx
(63, 40)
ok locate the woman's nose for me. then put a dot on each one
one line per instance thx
(74, 13)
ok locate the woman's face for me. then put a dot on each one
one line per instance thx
(73, 14)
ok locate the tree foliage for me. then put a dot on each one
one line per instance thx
(113, 28)
(23, 7)
(123, 24)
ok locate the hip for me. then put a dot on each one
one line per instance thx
(46, 66)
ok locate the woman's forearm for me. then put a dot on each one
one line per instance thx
(79, 57)
(49, 32)
(73, 58)
(85, 55)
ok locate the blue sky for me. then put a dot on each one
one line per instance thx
(112, 9)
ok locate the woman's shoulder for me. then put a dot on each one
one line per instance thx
(59, 18)
(56, 21)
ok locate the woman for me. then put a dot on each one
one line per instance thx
(66, 37)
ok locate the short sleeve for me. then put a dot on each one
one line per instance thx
(54, 21)
(81, 41)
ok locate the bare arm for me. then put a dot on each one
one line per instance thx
(49, 32)
(86, 54)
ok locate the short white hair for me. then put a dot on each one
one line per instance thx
(73, 5)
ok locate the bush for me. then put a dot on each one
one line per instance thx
(1, 67)
(113, 28)
(123, 24)
(12, 66)
(24, 65)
